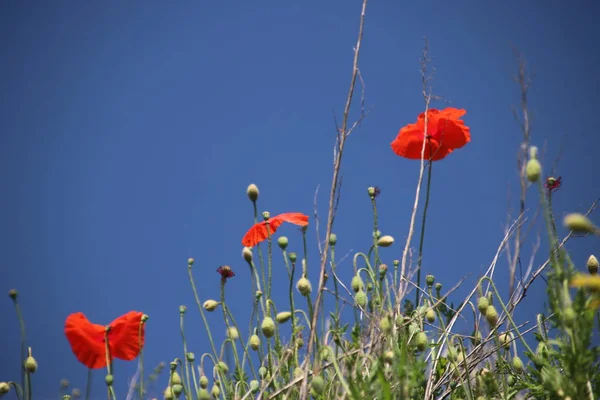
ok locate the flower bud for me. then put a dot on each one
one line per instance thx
(569, 316)
(204, 395)
(579, 223)
(491, 315)
(282, 241)
(262, 372)
(293, 257)
(254, 385)
(177, 389)
(30, 364)
(182, 309)
(482, 304)
(438, 287)
(258, 294)
(421, 341)
(108, 379)
(385, 324)
(361, 298)
(190, 356)
(504, 339)
(190, 261)
(203, 382)
(268, 327)
(533, 170)
(168, 393)
(252, 192)
(385, 241)
(382, 270)
(298, 372)
(247, 254)
(357, 283)
(318, 384)
(210, 305)
(215, 391)
(4, 388)
(429, 279)
(223, 367)
(299, 342)
(332, 239)
(371, 191)
(452, 353)
(283, 317)
(254, 342)
(232, 333)
(304, 286)
(430, 315)
(517, 363)
(13, 294)
(175, 379)
(592, 265)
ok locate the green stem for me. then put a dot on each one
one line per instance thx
(88, 385)
(422, 239)
(185, 352)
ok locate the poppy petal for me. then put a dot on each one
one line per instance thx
(86, 340)
(294, 218)
(409, 144)
(257, 234)
(453, 133)
(124, 337)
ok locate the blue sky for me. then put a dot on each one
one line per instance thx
(129, 132)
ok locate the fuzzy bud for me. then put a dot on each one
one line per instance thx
(203, 394)
(361, 298)
(210, 305)
(533, 170)
(30, 364)
(293, 257)
(282, 241)
(13, 294)
(429, 279)
(430, 315)
(232, 333)
(182, 309)
(382, 270)
(268, 327)
(190, 356)
(385, 324)
(482, 304)
(371, 191)
(592, 265)
(579, 223)
(175, 379)
(203, 382)
(438, 287)
(332, 239)
(421, 341)
(283, 317)
(254, 342)
(262, 372)
(168, 393)
(247, 254)
(385, 241)
(504, 339)
(252, 192)
(304, 286)
(357, 283)
(254, 386)
(190, 261)
(4, 388)
(177, 389)
(491, 315)
(299, 343)
(298, 372)
(517, 364)
(223, 367)
(215, 391)
(318, 384)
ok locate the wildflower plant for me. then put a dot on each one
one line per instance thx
(384, 333)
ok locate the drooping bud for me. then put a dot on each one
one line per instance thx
(482, 304)
(517, 363)
(223, 367)
(177, 389)
(579, 223)
(168, 393)
(232, 333)
(210, 305)
(592, 265)
(215, 391)
(283, 317)
(385, 241)
(332, 239)
(318, 384)
(252, 192)
(357, 283)
(175, 378)
(491, 315)
(504, 339)
(533, 170)
(282, 241)
(304, 286)
(247, 254)
(262, 371)
(268, 327)
(361, 298)
(421, 340)
(203, 382)
(430, 315)
(4, 388)
(254, 342)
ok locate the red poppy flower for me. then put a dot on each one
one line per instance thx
(226, 272)
(259, 233)
(87, 339)
(553, 183)
(446, 132)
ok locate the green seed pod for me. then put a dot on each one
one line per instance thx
(332, 239)
(430, 316)
(569, 316)
(283, 317)
(203, 382)
(282, 241)
(491, 315)
(429, 279)
(215, 391)
(293, 257)
(190, 356)
(262, 371)
(254, 342)
(385, 324)
(108, 379)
